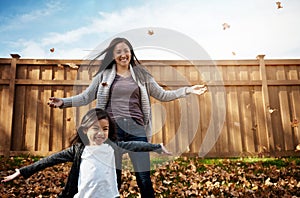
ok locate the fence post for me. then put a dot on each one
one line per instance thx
(11, 98)
(266, 103)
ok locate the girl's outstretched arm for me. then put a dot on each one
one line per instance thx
(66, 155)
(139, 146)
(12, 176)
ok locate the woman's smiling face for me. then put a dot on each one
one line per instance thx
(98, 132)
(122, 54)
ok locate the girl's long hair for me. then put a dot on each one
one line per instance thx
(87, 121)
(108, 61)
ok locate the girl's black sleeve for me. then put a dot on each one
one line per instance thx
(136, 146)
(66, 155)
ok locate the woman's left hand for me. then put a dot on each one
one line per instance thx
(164, 150)
(197, 89)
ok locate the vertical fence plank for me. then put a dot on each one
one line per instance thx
(224, 135)
(4, 121)
(266, 102)
(233, 114)
(10, 105)
(5, 74)
(284, 113)
(32, 92)
(274, 109)
(57, 121)
(245, 113)
(255, 125)
(19, 129)
(295, 107)
(158, 112)
(44, 113)
(183, 132)
(70, 126)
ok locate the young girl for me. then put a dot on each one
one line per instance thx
(93, 172)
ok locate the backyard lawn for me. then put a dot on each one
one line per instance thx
(180, 177)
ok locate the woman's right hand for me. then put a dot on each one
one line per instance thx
(55, 102)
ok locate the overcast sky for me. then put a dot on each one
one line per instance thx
(74, 28)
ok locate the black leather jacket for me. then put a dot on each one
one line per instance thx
(73, 154)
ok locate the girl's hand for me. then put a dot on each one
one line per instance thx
(164, 150)
(197, 89)
(55, 102)
(11, 177)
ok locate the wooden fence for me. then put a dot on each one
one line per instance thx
(251, 107)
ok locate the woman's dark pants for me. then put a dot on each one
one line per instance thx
(129, 130)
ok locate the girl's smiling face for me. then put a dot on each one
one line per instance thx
(98, 132)
(122, 54)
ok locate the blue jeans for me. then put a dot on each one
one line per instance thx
(129, 130)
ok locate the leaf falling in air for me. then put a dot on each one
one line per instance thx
(52, 50)
(271, 110)
(279, 6)
(233, 53)
(225, 26)
(72, 65)
(295, 122)
(298, 147)
(150, 32)
(60, 66)
(278, 147)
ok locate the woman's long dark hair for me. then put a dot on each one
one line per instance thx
(87, 121)
(108, 60)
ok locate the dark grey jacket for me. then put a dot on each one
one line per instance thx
(73, 154)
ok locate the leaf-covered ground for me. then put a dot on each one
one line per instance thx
(183, 177)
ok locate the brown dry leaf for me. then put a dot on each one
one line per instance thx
(73, 66)
(279, 6)
(278, 147)
(295, 122)
(167, 182)
(272, 110)
(225, 26)
(60, 66)
(298, 147)
(150, 32)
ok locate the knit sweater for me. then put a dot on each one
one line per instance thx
(100, 88)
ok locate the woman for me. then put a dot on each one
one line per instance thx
(122, 86)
